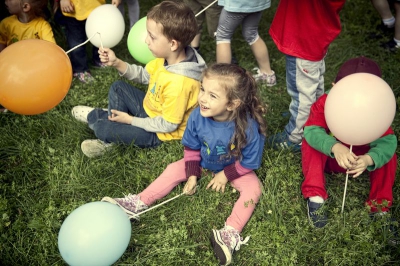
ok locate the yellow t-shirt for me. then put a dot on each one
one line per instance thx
(12, 30)
(83, 8)
(172, 96)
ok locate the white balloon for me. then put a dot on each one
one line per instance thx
(108, 21)
(360, 108)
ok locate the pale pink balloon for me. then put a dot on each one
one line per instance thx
(360, 108)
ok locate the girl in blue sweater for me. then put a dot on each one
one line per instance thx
(225, 135)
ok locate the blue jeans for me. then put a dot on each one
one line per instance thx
(305, 84)
(76, 34)
(126, 98)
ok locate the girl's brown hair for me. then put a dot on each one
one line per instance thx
(239, 84)
(177, 19)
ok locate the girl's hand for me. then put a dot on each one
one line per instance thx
(343, 157)
(116, 2)
(362, 163)
(190, 187)
(120, 117)
(108, 57)
(218, 182)
(67, 6)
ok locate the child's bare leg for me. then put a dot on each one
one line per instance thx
(224, 53)
(261, 54)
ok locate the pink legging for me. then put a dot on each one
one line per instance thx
(248, 185)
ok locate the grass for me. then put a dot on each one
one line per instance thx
(44, 177)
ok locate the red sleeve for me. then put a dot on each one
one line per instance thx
(192, 162)
(235, 170)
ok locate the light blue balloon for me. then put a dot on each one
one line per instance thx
(96, 233)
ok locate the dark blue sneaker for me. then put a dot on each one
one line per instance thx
(316, 215)
(280, 141)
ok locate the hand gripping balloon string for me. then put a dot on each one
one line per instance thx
(79, 45)
(162, 203)
(205, 8)
(345, 185)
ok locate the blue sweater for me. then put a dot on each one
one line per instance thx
(212, 138)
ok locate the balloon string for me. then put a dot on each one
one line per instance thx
(162, 203)
(79, 45)
(345, 185)
(156, 206)
(101, 42)
(205, 8)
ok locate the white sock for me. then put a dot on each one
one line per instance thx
(389, 22)
(316, 199)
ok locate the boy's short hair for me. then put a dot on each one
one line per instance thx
(37, 7)
(178, 21)
(358, 65)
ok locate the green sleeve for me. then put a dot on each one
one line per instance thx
(382, 150)
(320, 140)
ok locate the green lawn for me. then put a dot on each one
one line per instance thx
(44, 176)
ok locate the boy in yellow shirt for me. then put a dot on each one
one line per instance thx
(27, 21)
(173, 78)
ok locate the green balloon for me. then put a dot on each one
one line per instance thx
(136, 42)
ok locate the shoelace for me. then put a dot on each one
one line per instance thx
(242, 242)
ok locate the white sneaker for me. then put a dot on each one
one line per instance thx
(95, 147)
(225, 241)
(269, 79)
(130, 204)
(81, 112)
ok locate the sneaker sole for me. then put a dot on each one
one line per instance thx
(132, 215)
(220, 249)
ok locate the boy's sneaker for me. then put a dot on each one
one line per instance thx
(84, 77)
(391, 45)
(130, 204)
(269, 79)
(280, 141)
(316, 215)
(225, 242)
(392, 226)
(81, 112)
(95, 147)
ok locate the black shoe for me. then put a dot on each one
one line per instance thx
(385, 29)
(316, 214)
(381, 31)
(391, 46)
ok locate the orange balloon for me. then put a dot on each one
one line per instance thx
(35, 76)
